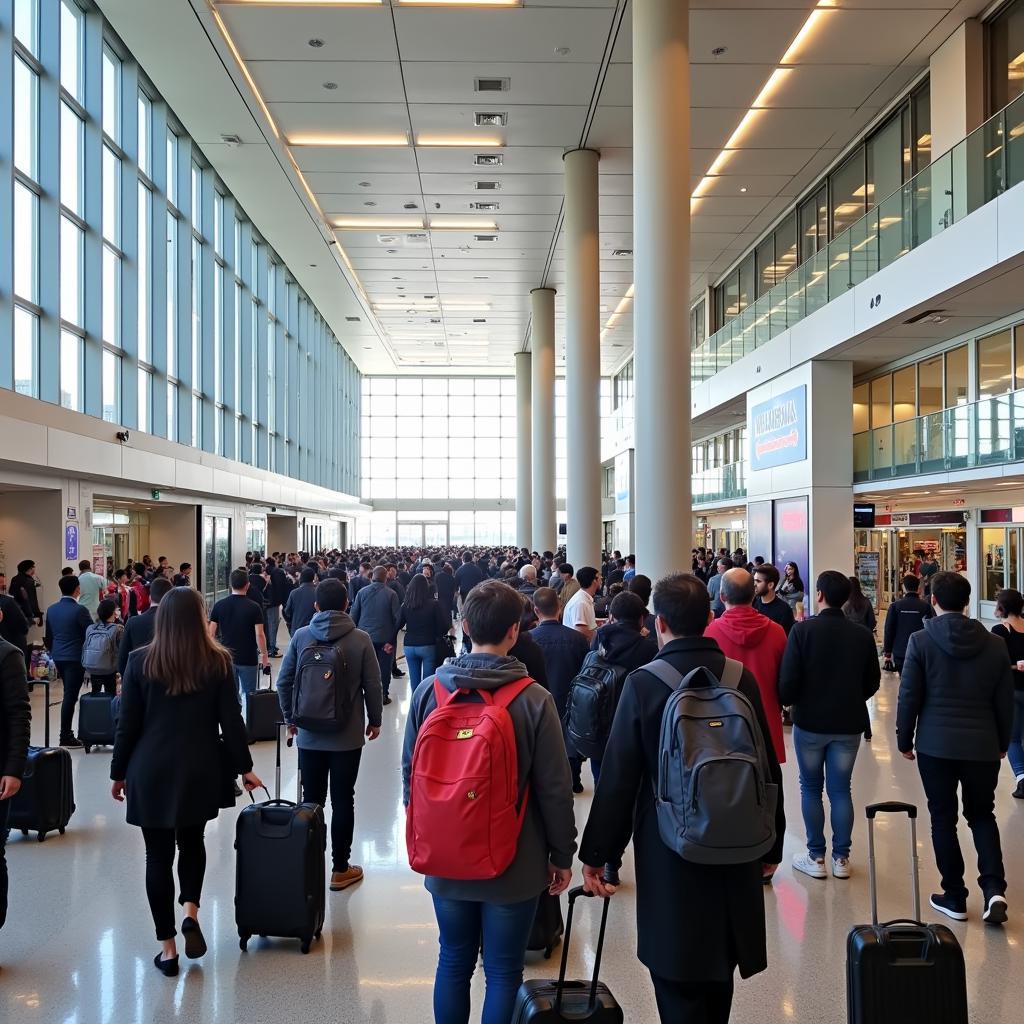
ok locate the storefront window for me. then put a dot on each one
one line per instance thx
(994, 364)
(956, 377)
(929, 386)
(994, 559)
(860, 408)
(904, 405)
(1006, 56)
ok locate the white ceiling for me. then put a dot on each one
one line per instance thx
(410, 70)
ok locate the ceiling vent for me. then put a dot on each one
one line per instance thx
(491, 84)
(931, 316)
(435, 320)
(485, 238)
(438, 344)
(479, 319)
(231, 140)
(487, 186)
(490, 119)
(486, 206)
(416, 239)
(488, 159)
(388, 239)
(353, 319)
(622, 252)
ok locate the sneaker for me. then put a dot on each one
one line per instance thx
(387, 700)
(995, 910)
(948, 905)
(813, 866)
(71, 741)
(787, 718)
(1019, 791)
(343, 879)
(841, 867)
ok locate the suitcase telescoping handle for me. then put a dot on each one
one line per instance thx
(893, 807)
(45, 683)
(574, 894)
(277, 772)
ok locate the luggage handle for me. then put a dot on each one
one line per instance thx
(893, 807)
(46, 708)
(574, 894)
(277, 773)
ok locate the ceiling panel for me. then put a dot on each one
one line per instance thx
(298, 81)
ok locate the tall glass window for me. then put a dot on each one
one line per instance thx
(995, 364)
(143, 270)
(72, 168)
(26, 24)
(71, 371)
(26, 118)
(111, 387)
(848, 190)
(172, 294)
(145, 134)
(72, 241)
(111, 95)
(1006, 56)
(26, 243)
(72, 46)
(26, 353)
(885, 161)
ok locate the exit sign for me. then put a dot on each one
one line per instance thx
(156, 494)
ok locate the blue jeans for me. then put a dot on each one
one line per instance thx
(826, 762)
(272, 623)
(247, 677)
(422, 662)
(505, 930)
(1015, 754)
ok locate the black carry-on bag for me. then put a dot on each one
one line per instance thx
(262, 713)
(280, 882)
(46, 799)
(547, 926)
(96, 720)
(903, 971)
(559, 1002)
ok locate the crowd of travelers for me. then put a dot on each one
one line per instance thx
(569, 665)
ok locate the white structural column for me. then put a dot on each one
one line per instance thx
(524, 426)
(661, 268)
(543, 411)
(582, 359)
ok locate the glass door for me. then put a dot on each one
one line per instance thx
(410, 535)
(435, 535)
(216, 558)
(424, 534)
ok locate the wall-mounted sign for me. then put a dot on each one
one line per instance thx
(778, 430)
(72, 512)
(71, 542)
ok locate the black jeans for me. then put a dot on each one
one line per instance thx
(5, 810)
(977, 781)
(73, 675)
(103, 684)
(708, 1002)
(160, 844)
(340, 768)
(384, 662)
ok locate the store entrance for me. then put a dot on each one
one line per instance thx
(121, 529)
(897, 554)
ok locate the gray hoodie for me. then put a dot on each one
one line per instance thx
(549, 827)
(363, 674)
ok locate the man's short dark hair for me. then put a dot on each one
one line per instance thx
(952, 592)
(545, 600)
(332, 596)
(105, 609)
(490, 610)
(467, 557)
(1010, 602)
(739, 590)
(627, 607)
(239, 579)
(641, 586)
(67, 571)
(119, 574)
(184, 566)
(25, 565)
(160, 587)
(68, 585)
(758, 560)
(366, 565)
(834, 587)
(631, 560)
(85, 565)
(566, 569)
(586, 575)
(769, 572)
(683, 602)
(307, 576)
(911, 583)
(727, 562)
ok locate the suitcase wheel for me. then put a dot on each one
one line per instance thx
(61, 830)
(86, 747)
(317, 936)
(24, 832)
(305, 945)
(243, 941)
(40, 836)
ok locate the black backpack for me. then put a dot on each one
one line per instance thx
(590, 706)
(323, 697)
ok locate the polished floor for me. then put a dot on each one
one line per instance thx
(78, 944)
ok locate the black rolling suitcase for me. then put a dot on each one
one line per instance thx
(558, 1002)
(280, 870)
(46, 799)
(903, 971)
(547, 926)
(262, 713)
(96, 720)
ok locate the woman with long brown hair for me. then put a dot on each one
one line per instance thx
(180, 743)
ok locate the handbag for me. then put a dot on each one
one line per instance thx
(444, 648)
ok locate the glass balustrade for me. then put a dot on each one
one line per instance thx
(973, 173)
(722, 483)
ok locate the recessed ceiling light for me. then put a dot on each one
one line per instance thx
(490, 119)
(330, 86)
(371, 222)
(316, 43)
(369, 202)
(487, 186)
(488, 159)
(409, 206)
(562, 51)
(743, 188)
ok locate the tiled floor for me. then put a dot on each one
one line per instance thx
(78, 944)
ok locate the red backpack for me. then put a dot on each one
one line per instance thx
(464, 817)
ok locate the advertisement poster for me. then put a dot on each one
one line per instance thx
(778, 430)
(791, 535)
(71, 542)
(759, 529)
(99, 560)
(868, 567)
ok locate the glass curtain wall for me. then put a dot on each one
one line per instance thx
(133, 286)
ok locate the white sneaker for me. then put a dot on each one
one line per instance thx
(815, 867)
(841, 867)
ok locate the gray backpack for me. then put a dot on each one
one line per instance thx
(715, 798)
(99, 650)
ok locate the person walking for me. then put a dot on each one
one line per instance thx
(376, 611)
(64, 636)
(178, 698)
(858, 608)
(94, 587)
(277, 591)
(23, 588)
(300, 607)
(445, 585)
(692, 968)
(767, 601)
(14, 625)
(905, 617)
(578, 611)
(239, 624)
(714, 585)
(498, 910)
(829, 672)
(1010, 609)
(138, 630)
(15, 724)
(101, 646)
(954, 715)
(425, 622)
(329, 758)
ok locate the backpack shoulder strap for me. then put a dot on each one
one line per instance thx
(663, 671)
(732, 674)
(508, 693)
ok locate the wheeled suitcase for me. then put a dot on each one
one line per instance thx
(903, 971)
(558, 1002)
(280, 870)
(262, 713)
(46, 799)
(547, 926)
(96, 720)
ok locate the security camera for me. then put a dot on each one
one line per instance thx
(122, 436)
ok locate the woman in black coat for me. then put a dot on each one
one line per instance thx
(180, 741)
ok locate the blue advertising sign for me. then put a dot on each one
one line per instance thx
(70, 542)
(778, 430)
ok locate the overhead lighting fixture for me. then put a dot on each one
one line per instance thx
(491, 206)
(457, 141)
(622, 252)
(815, 18)
(327, 139)
(456, 224)
(460, 3)
(490, 119)
(487, 186)
(491, 84)
(488, 159)
(301, 3)
(368, 222)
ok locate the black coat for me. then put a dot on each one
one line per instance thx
(23, 589)
(15, 712)
(527, 651)
(903, 619)
(446, 590)
(564, 651)
(279, 589)
(14, 627)
(138, 631)
(300, 607)
(695, 922)
(166, 749)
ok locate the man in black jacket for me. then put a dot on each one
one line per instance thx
(300, 607)
(276, 594)
(15, 722)
(692, 962)
(903, 619)
(956, 708)
(14, 625)
(23, 590)
(138, 630)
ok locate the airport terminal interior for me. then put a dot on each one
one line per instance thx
(406, 278)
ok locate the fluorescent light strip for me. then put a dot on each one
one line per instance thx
(823, 9)
(459, 3)
(316, 139)
(245, 71)
(459, 142)
(462, 225)
(299, 3)
(370, 223)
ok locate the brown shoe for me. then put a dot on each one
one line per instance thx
(343, 879)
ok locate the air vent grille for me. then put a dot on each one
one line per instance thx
(488, 159)
(487, 186)
(491, 84)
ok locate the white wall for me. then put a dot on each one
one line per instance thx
(957, 76)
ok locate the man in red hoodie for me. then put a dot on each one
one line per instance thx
(756, 641)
